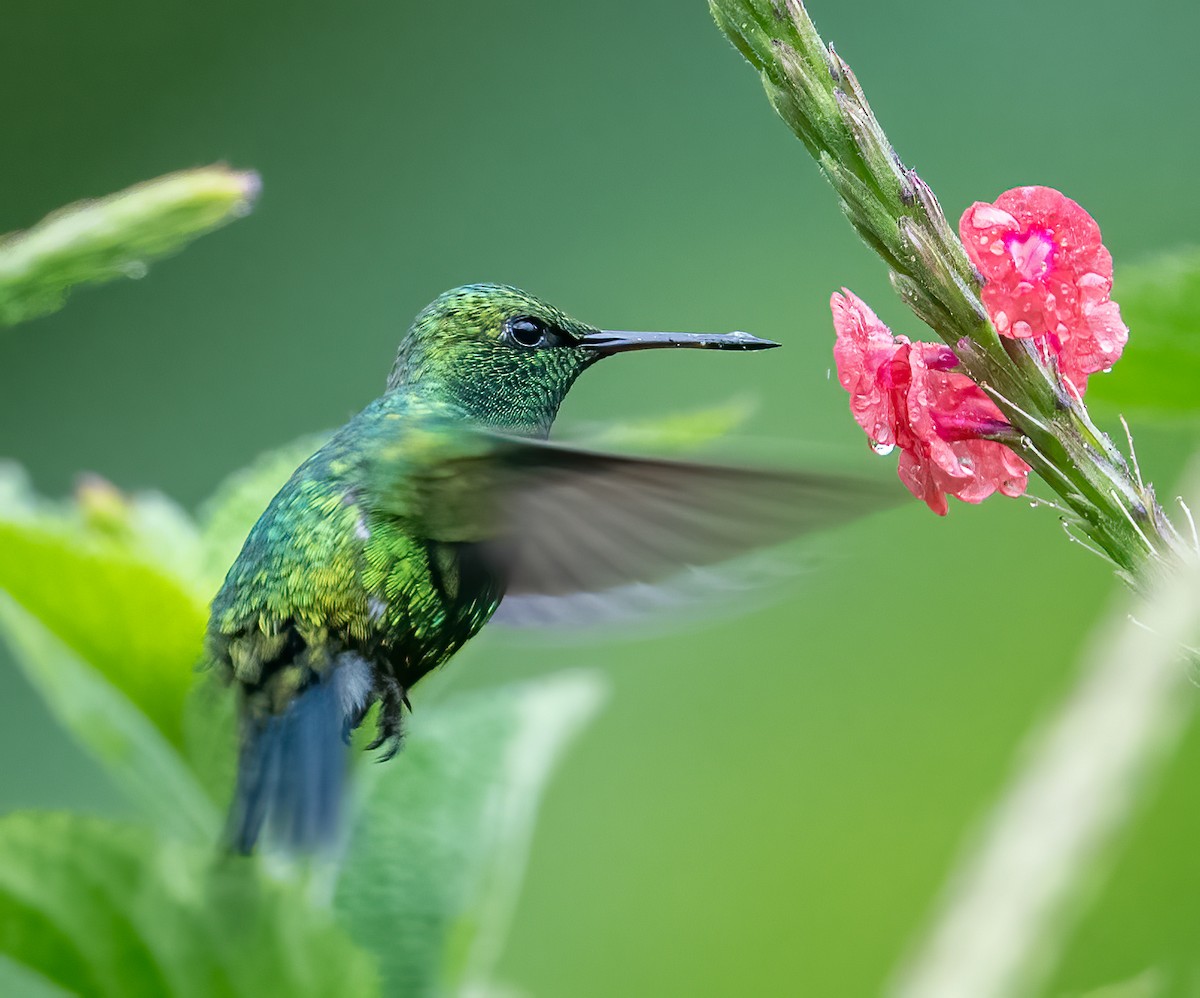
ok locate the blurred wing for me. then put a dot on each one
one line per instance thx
(554, 521)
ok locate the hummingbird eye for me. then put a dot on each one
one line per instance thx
(529, 332)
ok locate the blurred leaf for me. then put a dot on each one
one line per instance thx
(228, 515)
(105, 909)
(134, 752)
(1151, 983)
(148, 525)
(1158, 374)
(672, 432)
(210, 736)
(17, 979)
(116, 236)
(438, 850)
(16, 494)
(135, 623)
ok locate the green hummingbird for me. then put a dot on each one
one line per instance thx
(398, 540)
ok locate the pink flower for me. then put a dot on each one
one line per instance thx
(906, 395)
(1048, 276)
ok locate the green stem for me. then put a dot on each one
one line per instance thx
(898, 216)
(116, 236)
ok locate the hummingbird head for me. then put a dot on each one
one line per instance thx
(508, 359)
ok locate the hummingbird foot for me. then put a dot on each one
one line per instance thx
(393, 698)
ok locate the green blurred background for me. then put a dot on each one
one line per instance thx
(769, 804)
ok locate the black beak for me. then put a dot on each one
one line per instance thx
(605, 342)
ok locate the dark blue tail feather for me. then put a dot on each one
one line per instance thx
(292, 769)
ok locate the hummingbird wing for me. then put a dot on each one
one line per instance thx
(560, 524)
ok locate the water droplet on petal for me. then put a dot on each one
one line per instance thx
(883, 450)
(984, 216)
(1031, 253)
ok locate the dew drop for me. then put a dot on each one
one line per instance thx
(883, 450)
(987, 215)
(134, 269)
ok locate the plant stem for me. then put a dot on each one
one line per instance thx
(116, 236)
(1010, 904)
(898, 216)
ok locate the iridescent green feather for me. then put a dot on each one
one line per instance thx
(344, 570)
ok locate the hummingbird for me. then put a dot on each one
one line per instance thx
(398, 539)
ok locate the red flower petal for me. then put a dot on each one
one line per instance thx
(1048, 276)
(906, 395)
(866, 354)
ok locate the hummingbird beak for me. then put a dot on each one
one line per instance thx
(607, 341)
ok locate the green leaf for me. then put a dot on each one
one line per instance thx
(147, 525)
(438, 850)
(111, 602)
(210, 735)
(16, 494)
(117, 236)
(680, 431)
(17, 979)
(136, 754)
(1152, 983)
(105, 909)
(226, 518)
(1158, 375)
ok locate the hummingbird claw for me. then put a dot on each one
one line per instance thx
(392, 699)
(390, 749)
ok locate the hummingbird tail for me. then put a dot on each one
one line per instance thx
(292, 769)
